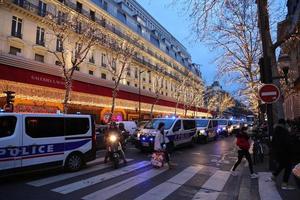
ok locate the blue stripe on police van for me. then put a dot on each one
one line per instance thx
(24, 151)
(182, 136)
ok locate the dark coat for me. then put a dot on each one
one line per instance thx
(281, 143)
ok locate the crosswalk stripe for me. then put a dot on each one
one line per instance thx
(206, 195)
(97, 160)
(163, 190)
(60, 177)
(267, 189)
(100, 178)
(211, 189)
(122, 186)
(217, 181)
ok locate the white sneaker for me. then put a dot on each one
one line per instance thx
(253, 176)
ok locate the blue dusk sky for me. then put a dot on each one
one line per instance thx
(179, 27)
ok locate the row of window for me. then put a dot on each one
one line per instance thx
(42, 127)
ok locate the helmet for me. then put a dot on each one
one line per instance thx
(121, 126)
(113, 125)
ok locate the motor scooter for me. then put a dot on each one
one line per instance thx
(114, 149)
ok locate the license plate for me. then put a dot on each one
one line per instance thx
(145, 144)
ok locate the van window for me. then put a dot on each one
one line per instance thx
(189, 124)
(41, 127)
(222, 122)
(76, 126)
(202, 123)
(177, 126)
(153, 124)
(7, 126)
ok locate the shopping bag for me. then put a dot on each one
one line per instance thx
(157, 159)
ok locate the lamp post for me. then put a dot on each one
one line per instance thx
(140, 72)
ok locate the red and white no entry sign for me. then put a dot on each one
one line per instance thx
(269, 93)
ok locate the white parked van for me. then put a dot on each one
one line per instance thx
(130, 126)
(36, 140)
(206, 130)
(179, 131)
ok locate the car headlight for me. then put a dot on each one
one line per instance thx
(238, 126)
(112, 138)
(224, 128)
(202, 131)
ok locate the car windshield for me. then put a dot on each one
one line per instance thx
(153, 124)
(235, 122)
(201, 123)
(222, 122)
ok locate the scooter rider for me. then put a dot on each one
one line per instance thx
(124, 133)
(113, 128)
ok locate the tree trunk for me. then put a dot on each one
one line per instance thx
(114, 95)
(269, 53)
(152, 106)
(68, 87)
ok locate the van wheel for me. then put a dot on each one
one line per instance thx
(74, 162)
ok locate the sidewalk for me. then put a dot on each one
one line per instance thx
(263, 188)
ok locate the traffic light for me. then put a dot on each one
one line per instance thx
(10, 97)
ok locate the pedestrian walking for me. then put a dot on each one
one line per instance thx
(242, 142)
(282, 151)
(162, 143)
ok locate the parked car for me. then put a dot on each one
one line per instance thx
(179, 131)
(206, 130)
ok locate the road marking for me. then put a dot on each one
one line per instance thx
(122, 186)
(211, 189)
(217, 181)
(163, 190)
(60, 177)
(206, 195)
(100, 178)
(98, 160)
(267, 189)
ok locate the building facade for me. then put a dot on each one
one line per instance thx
(28, 68)
(291, 48)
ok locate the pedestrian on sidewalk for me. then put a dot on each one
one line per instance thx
(162, 143)
(282, 151)
(242, 142)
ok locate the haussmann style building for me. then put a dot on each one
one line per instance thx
(35, 75)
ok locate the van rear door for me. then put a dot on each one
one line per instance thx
(10, 141)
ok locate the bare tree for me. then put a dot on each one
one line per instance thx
(119, 56)
(220, 102)
(240, 16)
(179, 90)
(74, 37)
(226, 102)
(158, 88)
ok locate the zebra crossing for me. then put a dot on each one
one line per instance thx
(139, 172)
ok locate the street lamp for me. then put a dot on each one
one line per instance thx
(140, 72)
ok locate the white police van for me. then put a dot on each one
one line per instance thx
(29, 141)
(179, 131)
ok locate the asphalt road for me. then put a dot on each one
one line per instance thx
(200, 172)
